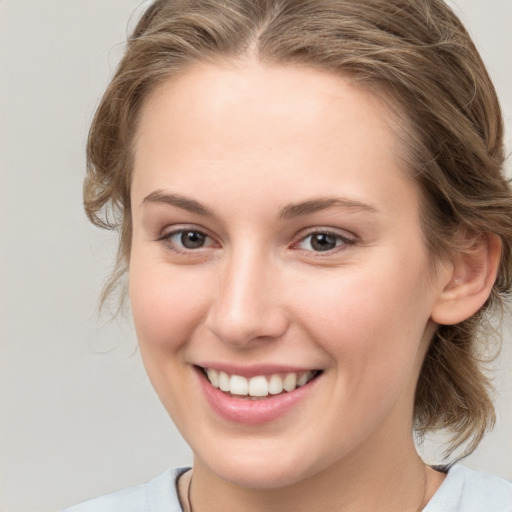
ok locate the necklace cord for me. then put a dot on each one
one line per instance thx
(422, 505)
(189, 502)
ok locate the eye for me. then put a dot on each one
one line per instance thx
(187, 240)
(190, 239)
(322, 241)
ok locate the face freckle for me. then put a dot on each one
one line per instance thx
(308, 255)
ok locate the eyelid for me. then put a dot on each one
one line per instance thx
(166, 236)
(347, 239)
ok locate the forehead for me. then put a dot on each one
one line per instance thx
(254, 96)
(260, 123)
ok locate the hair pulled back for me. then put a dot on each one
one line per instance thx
(419, 58)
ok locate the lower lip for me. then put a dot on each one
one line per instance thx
(253, 412)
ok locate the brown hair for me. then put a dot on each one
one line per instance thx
(415, 53)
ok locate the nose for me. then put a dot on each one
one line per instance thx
(248, 305)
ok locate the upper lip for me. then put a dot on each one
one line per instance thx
(254, 370)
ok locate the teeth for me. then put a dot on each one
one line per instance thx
(238, 385)
(258, 386)
(304, 378)
(213, 377)
(224, 381)
(275, 385)
(290, 382)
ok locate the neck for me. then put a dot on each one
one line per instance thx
(389, 482)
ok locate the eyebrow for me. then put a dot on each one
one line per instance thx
(315, 205)
(179, 201)
(287, 212)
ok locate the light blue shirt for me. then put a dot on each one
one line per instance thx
(463, 490)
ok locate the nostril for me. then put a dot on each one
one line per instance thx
(234, 328)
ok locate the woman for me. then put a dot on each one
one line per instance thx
(316, 229)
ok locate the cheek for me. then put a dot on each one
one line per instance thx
(166, 307)
(166, 310)
(371, 323)
(373, 331)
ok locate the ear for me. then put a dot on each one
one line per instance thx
(468, 281)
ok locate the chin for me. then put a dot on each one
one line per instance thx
(264, 477)
(263, 467)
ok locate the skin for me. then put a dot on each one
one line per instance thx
(245, 142)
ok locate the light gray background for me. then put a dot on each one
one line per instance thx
(78, 415)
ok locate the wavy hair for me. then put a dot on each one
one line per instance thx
(414, 54)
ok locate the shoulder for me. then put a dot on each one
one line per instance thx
(465, 490)
(157, 495)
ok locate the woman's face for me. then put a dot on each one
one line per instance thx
(277, 242)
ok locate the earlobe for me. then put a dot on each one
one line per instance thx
(468, 284)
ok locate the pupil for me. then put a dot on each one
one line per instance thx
(192, 239)
(323, 242)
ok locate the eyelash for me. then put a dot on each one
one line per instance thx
(341, 241)
(166, 240)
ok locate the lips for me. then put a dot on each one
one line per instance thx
(258, 396)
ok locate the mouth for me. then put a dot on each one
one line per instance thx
(258, 387)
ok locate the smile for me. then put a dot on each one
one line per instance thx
(259, 395)
(258, 386)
